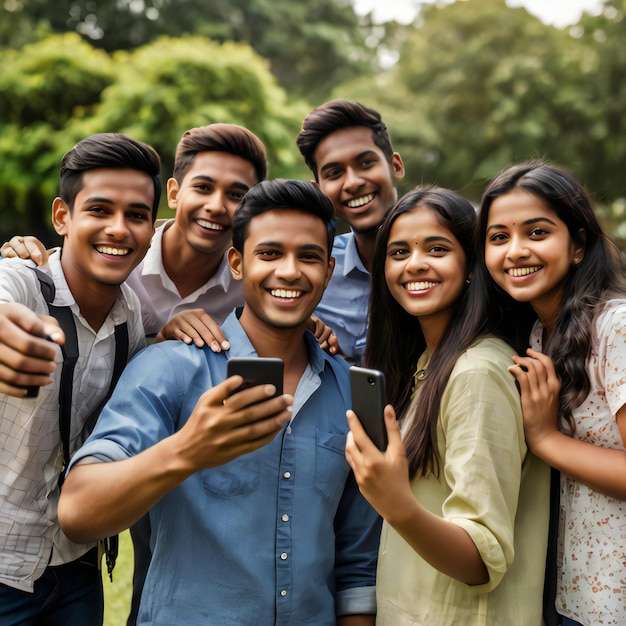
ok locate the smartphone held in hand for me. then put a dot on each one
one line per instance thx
(257, 371)
(369, 398)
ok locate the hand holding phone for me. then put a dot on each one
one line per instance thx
(369, 398)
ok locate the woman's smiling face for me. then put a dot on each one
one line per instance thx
(529, 251)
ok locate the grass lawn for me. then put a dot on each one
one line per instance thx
(117, 593)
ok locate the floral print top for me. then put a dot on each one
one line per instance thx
(592, 531)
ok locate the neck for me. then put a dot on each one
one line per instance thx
(433, 329)
(365, 247)
(287, 344)
(547, 312)
(187, 268)
(94, 300)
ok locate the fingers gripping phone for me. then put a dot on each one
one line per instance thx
(369, 398)
(257, 371)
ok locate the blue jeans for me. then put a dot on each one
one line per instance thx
(65, 595)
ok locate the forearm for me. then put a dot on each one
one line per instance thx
(602, 469)
(443, 544)
(102, 498)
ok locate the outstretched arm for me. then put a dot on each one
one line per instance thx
(26, 356)
(27, 247)
(100, 499)
(602, 469)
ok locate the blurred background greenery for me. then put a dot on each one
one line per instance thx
(467, 88)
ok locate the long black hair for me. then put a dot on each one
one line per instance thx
(395, 340)
(587, 287)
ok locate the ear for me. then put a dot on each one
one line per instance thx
(580, 245)
(61, 216)
(172, 193)
(329, 272)
(397, 166)
(235, 260)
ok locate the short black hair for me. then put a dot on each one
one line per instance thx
(229, 138)
(336, 115)
(107, 150)
(291, 195)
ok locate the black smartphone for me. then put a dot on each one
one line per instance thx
(257, 371)
(369, 398)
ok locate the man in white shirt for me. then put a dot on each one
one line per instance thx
(109, 195)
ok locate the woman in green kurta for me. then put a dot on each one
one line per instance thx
(465, 504)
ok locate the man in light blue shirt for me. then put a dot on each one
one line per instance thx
(256, 516)
(347, 147)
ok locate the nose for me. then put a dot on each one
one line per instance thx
(417, 261)
(287, 269)
(517, 248)
(353, 180)
(117, 226)
(216, 202)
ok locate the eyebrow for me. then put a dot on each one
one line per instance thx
(204, 177)
(361, 155)
(534, 220)
(427, 240)
(99, 200)
(280, 246)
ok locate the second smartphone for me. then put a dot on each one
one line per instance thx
(369, 398)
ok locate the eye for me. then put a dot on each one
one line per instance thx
(203, 187)
(236, 196)
(368, 163)
(311, 257)
(139, 215)
(97, 209)
(497, 238)
(438, 250)
(331, 173)
(397, 253)
(267, 255)
(538, 232)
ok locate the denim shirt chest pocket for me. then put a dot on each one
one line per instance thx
(331, 467)
(237, 477)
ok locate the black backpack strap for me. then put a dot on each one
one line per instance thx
(63, 315)
(121, 358)
(65, 318)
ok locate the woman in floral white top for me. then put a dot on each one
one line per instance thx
(544, 247)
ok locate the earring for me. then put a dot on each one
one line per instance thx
(468, 281)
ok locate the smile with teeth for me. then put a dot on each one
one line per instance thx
(285, 293)
(355, 203)
(210, 225)
(112, 251)
(420, 286)
(523, 271)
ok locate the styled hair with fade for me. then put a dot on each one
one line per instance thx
(229, 138)
(336, 115)
(107, 150)
(282, 194)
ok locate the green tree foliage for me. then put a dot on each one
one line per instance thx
(61, 90)
(480, 85)
(601, 60)
(171, 85)
(311, 46)
(42, 86)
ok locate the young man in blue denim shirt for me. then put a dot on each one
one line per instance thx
(347, 147)
(255, 513)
